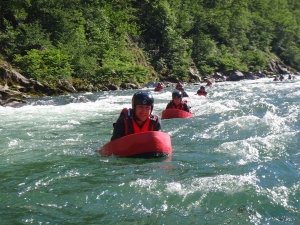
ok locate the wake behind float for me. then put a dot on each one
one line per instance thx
(150, 144)
(175, 113)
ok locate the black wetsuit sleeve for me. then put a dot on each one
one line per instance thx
(155, 123)
(158, 124)
(119, 129)
(186, 107)
(169, 105)
(185, 94)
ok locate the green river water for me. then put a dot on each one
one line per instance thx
(236, 162)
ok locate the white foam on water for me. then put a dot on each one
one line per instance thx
(242, 134)
(281, 195)
(276, 124)
(225, 183)
(257, 149)
(148, 183)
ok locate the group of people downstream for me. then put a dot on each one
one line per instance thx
(281, 78)
(140, 118)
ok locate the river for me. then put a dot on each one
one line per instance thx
(236, 162)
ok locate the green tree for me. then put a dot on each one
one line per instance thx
(135, 41)
(47, 65)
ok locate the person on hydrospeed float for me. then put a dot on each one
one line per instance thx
(159, 87)
(137, 119)
(178, 85)
(177, 102)
(281, 77)
(184, 94)
(209, 83)
(202, 91)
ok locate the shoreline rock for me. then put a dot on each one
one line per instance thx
(14, 87)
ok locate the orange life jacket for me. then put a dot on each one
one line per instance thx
(132, 127)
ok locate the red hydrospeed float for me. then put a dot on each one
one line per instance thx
(175, 113)
(158, 89)
(150, 144)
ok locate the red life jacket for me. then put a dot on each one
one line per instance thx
(178, 86)
(132, 127)
(201, 93)
(173, 106)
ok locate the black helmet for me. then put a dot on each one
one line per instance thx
(142, 98)
(202, 87)
(177, 94)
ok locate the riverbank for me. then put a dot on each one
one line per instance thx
(15, 88)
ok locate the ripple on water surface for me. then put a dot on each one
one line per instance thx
(236, 162)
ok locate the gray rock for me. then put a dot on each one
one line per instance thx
(13, 102)
(80, 99)
(113, 87)
(236, 76)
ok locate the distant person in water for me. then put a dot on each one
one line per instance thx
(159, 87)
(202, 91)
(290, 77)
(281, 78)
(178, 86)
(137, 119)
(177, 103)
(184, 94)
(276, 78)
(209, 83)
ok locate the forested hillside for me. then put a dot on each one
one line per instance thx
(115, 41)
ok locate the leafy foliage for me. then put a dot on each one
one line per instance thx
(117, 41)
(45, 65)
